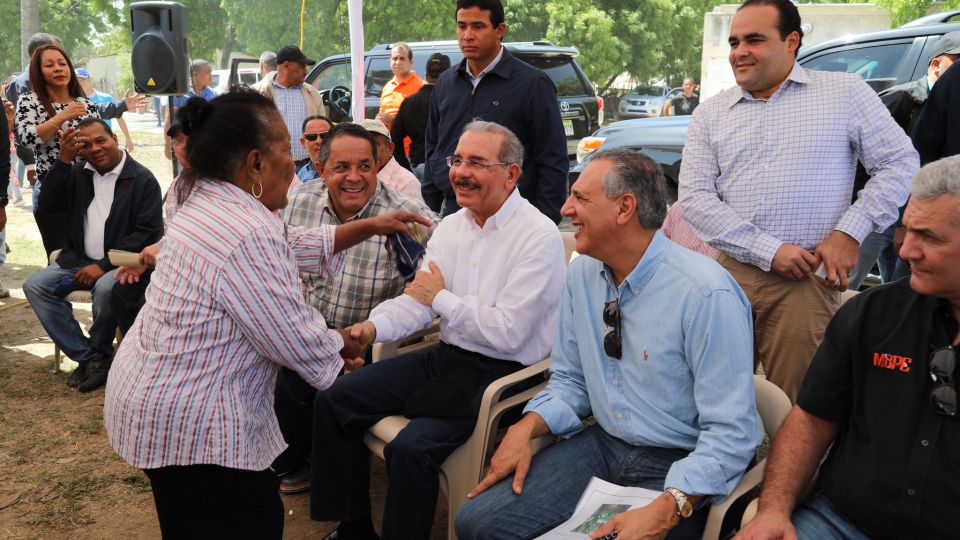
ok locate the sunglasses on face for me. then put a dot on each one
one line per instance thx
(313, 136)
(943, 396)
(612, 342)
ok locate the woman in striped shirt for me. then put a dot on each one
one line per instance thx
(190, 393)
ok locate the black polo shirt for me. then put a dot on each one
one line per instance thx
(894, 469)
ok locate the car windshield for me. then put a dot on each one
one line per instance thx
(646, 90)
(560, 69)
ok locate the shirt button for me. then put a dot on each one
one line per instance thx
(474, 265)
(911, 492)
(616, 381)
(924, 443)
(620, 415)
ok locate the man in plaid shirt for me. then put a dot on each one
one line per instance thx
(349, 191)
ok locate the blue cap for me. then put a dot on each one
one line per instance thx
(82, 73)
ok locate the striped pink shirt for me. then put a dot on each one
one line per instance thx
(193, 380)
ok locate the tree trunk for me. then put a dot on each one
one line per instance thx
(29, 25)
(229, 46)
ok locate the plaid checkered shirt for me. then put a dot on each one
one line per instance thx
(293, 110)
(370, 273)
(757, 174)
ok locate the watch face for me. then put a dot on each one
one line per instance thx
(686, 509)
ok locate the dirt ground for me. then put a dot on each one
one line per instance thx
(59, 477)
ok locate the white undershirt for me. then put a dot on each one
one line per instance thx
(476, 80)
(99, 209)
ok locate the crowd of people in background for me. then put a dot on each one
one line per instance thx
(289, 244)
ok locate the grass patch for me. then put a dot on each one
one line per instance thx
(137, 482)
(61, 508)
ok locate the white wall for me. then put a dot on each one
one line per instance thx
(820, 22)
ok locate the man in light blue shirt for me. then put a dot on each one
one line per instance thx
(655, 341)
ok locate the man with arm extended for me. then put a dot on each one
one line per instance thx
(493, 273)
(882, 390)
(766, 179)
(655, 342)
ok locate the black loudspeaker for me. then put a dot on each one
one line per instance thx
(159, 56)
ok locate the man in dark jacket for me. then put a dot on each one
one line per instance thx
(411, 119)
(113, 202)
(936, 133)
(491, 84)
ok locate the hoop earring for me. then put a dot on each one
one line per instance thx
(253, 191)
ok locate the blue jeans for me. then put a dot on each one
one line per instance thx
(818, 520)
(56, 314)
(557, 478)
(876, 248)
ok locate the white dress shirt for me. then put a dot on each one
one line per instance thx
(502, 285)
(99, 209)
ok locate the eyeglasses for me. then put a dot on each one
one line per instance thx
(456, 161)
(943, 396)
(313, 136)
(612, 342)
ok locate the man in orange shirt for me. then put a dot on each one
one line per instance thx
(405, 83)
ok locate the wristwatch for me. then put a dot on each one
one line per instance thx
(4, 200)
(684, 506)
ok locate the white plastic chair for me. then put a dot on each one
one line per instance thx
(773, 406)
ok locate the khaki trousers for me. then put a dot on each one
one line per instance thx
(789, 318)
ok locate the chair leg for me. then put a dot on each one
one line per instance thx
(56, 359)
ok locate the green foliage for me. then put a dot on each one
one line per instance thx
(902, 11)
(9, 38)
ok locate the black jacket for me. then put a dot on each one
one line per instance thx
(4, 157)
(517, 96)
(135, 219)
(936, 134)
(411, 121)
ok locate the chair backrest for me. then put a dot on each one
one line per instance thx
(569, 246)
(772, 404)
(53, 256)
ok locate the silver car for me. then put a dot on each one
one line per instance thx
(644, 101)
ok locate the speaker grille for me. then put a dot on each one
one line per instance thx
(153, 64)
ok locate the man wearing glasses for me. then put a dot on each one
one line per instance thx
(347, 191)
(314, 128)
(493, 273)
(655, 342)
(882, 389)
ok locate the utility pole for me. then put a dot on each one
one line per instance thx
(29, 25)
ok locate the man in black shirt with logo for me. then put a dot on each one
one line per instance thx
(684, 104)
(882, 389)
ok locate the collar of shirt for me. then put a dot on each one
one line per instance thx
(282, 87)
(364, 212)
(797, 75)
(484, 71)
(113, 173)
(498, 220)
(396, 83)
(638, 278)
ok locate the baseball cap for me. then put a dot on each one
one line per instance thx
(375, 126)
(292, 53)
(948, 43)
(438, 63)
(82, 73)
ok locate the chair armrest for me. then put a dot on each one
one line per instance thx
(750, 480)
(492, 407)
(392, 349)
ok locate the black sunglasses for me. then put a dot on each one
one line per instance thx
(313, 136)
(612, 342)
(943, 396)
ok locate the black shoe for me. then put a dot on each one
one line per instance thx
(78, 376)
(96, 377)
(296, 481)
(354, 530)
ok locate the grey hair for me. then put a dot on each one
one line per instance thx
(635, 173)
(269, 58)
(511, 149)
(403, 46)
(941, 177)
(197, 64)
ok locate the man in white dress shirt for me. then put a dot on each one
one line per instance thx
(493, 273)
(113, 202)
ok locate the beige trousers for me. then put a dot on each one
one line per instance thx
(789, 318)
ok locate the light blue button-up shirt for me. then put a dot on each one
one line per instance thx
(686, 377)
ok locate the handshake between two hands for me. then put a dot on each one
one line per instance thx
(356, 339)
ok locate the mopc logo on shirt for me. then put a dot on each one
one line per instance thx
(892, 361)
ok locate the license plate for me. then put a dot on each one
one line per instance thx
(568, 128)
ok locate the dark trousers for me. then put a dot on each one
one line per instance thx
(126, 300)
(293, 403)
(210, 501)
(340, 480)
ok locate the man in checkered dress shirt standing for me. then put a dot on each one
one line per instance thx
(767, 178)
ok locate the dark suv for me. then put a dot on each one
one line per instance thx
(580, 107)
(883, 59)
